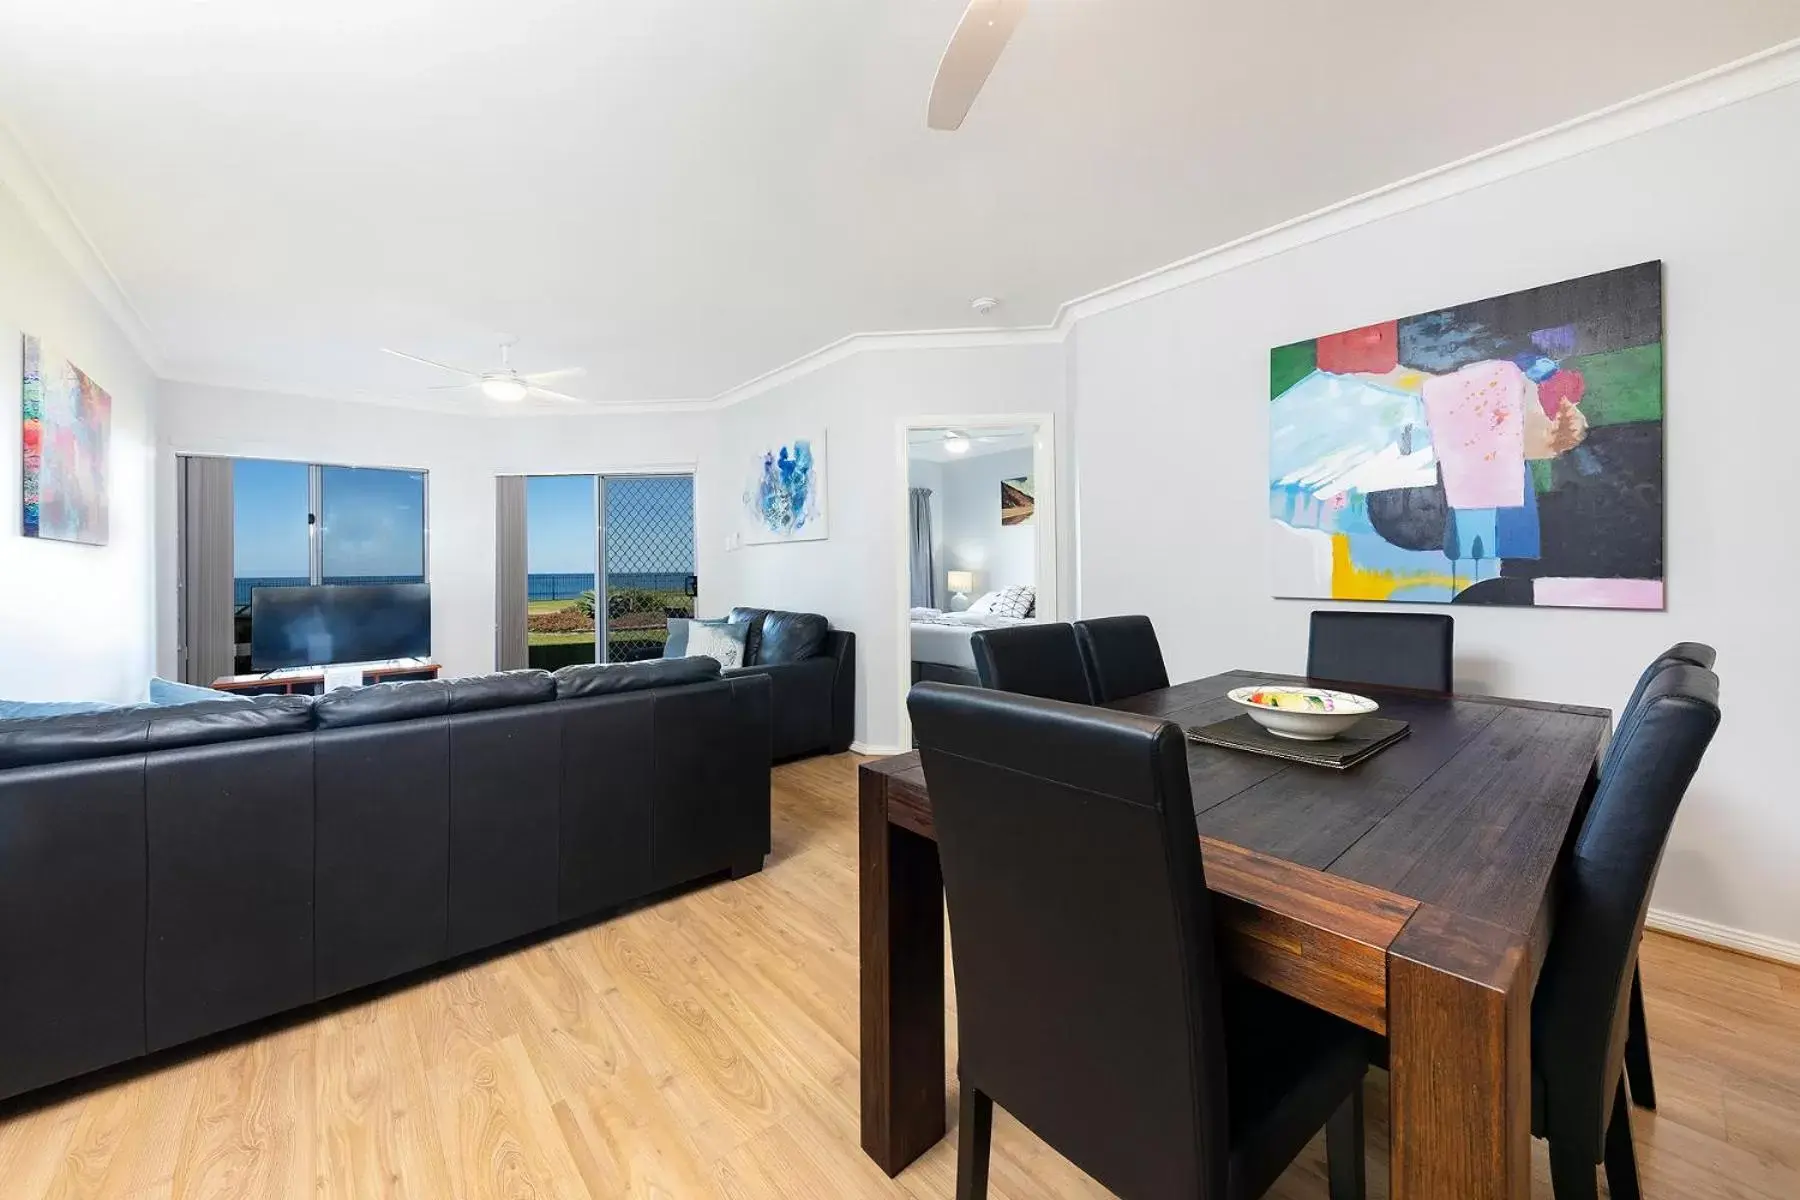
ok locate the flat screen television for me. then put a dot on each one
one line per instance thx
(338, 623)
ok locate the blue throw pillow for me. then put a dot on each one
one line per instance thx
(165, 693)
(15, 709)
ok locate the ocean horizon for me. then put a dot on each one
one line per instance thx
(539, 585)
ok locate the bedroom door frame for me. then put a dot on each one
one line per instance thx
(1047, 517)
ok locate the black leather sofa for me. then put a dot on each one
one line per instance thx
(169, 873)
(812, 669)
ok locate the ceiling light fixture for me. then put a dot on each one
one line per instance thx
(956, 443)
(504, 389)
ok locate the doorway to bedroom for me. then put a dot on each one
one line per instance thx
(980, 538)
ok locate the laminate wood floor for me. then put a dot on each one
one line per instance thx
(706, 1046)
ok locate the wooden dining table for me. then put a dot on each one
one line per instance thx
(1410, 894)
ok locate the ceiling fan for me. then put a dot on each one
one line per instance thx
(506, 385)
(973, 50)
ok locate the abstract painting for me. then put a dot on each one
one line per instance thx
(784, 495)
(1018, 501)
(1508, 451)
(67, 436)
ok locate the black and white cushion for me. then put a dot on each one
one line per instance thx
(1017, 601)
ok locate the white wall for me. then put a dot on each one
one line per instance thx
(855, 576)
(1172, 397)
(974, 539)
(75, 621)
(926, 474)
(463, 454)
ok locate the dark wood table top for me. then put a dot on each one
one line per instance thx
(1468, 814)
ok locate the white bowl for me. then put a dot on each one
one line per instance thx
(1326, 713)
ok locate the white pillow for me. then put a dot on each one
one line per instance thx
(983, 606)
(709, 641)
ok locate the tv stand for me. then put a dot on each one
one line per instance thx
(310, 681)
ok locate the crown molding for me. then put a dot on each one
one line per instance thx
(859, 343)
(20, 175)
(1766, 71)
(1755, 75)
(1743, 79)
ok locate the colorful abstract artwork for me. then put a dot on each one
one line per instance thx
(1018, 501)
(1508, 451)
(784, 494)
(67, 438)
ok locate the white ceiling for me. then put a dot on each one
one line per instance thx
(682, 194)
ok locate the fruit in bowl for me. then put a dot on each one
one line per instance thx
(1303, 713)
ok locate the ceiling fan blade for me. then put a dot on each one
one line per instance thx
(556, 395)
(973, 50)
(559, 373)
(430, 363)
(452, 387)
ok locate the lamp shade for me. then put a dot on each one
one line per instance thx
(962, 581)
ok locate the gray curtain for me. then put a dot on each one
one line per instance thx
(924, 565)
(204, 587)
(510, 600)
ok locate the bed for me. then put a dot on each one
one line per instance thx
(940, 642)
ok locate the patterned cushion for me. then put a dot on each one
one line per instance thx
(716, 639)
(1018, 601)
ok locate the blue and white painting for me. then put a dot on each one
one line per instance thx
(784, 492)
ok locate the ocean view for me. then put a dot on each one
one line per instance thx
(540, 585)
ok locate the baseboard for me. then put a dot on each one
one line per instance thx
(1713, 934)
(874, 751)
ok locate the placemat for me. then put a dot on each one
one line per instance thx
(1368, 737)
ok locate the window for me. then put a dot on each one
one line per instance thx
(301, 524)
(372, 525)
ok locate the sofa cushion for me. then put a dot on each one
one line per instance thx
(724, 640)
(236, 719)
(781, 637)
(789, 637)
(503, 689)
(752, 619)
(36, 741)
(383, 702)
(21, 710)
(606, 679)
(167, 692)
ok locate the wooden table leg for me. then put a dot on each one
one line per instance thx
(902, 942)
(1459, 1060)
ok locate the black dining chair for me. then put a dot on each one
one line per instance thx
(1579, 1013)
(1091, 1002)
(1121, 657)
(1409, 650)
(1637, 1033)
(1032, 660)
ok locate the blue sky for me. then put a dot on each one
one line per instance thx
(372, 520)
(649, 520)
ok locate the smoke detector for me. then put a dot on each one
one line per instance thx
(983, 305)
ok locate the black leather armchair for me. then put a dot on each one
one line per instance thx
(168, 874)
(811, 669)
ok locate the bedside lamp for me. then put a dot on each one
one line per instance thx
(961, 584)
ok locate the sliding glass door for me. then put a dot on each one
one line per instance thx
(642, 528)
(562, 550)
(648, 537)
